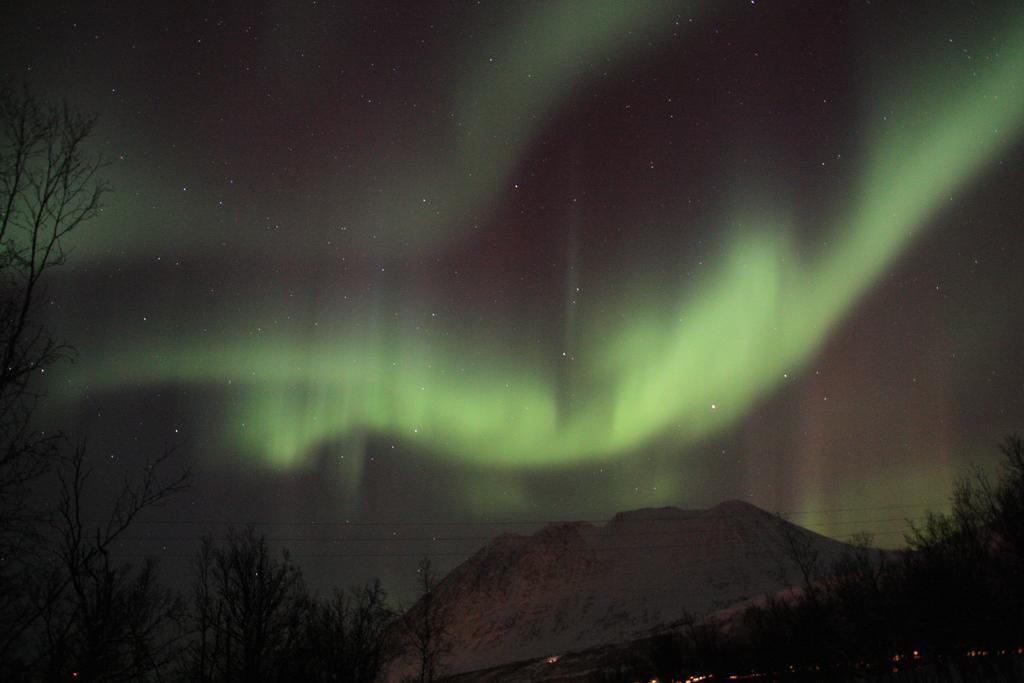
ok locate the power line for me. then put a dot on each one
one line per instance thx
(535, 522)
(396, 554)
(694, 533)
(594, 548)
(445, 538)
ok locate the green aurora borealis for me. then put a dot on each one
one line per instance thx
(618, 361)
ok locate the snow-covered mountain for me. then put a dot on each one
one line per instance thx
(574, 585)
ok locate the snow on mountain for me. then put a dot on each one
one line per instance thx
(573, 585)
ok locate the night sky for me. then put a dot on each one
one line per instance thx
(405, 263)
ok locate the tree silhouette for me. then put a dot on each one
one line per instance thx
(48, 189)
(64, 604)
(104, 620)
(427, 626)
(956, 590)
(349, 636)
(249, 611)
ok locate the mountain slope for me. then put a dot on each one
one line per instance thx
(574, 585)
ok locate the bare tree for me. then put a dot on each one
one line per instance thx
(206, 648)
(350, 635)
(64, 603)
(1009, 498)
(48, 189)
(370, 619)
(251, 619)
(428, 625)
(249, 612)
(797, 549)
(103, 619)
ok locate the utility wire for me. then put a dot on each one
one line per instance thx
(535, 522)
(442, 537)
(381, 555)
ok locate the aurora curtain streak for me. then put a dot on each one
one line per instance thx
(683, 365)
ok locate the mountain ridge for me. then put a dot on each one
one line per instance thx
(575, 585)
